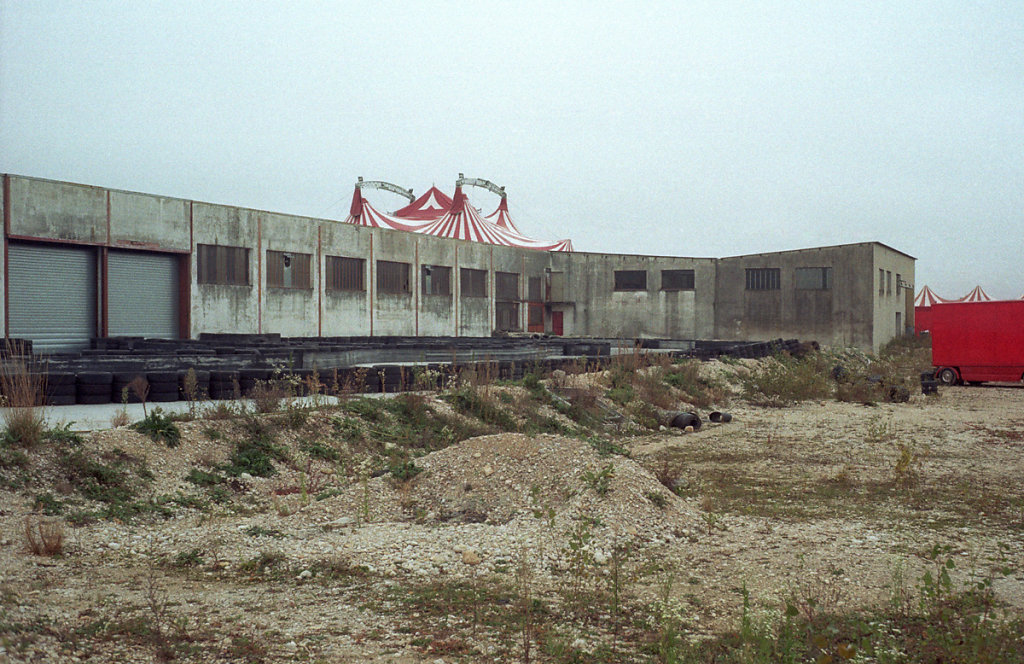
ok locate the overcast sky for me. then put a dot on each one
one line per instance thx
(689, 128)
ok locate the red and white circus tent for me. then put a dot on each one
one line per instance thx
(976, 295)
(429, 206)
(923, 309)
(927, 298)
(460, 221)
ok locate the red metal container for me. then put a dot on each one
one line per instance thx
(978, 341)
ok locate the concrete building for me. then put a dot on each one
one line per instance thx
(82, 261)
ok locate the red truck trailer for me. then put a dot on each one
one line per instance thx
(974, 342)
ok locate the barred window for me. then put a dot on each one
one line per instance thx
(473, 282)
(506, 286)
(436, 280)
(763, 278)
(813, 278)
(288, 270)
(630, 280)
(218, 264)
(881, 281)
(899, 281)
(506, 315)
(677, 280)
(888, 278)
(393, 278)
(535, 289)
(535, 315)
(346, 274)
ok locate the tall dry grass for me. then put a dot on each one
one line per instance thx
(23, 384)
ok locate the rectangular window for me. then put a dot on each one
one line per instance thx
(677, 280)
(630, 280)
(899, 279)
(346, 274)
(535, 316)
(473, 282)
(813, 278)
(763, 278)
(288, 270)
(218, 264)
(393, 278)
(535, 289)
(881, 281)
(888, 278)
(506, 316)
(506, 286)
(436, 280)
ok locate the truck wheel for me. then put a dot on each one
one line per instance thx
(947, 376)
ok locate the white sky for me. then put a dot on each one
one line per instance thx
(688, 128)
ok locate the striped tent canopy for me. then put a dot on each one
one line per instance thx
(461, 221)
(927, 298)
(976, 295)
(501, 217)
(431, 205)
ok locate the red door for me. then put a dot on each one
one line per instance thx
(556, 323)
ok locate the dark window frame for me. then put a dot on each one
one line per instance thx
(394, 278)
(812, 278)
(436, 280)
(345, 274)
(289, 270)
(763, 278)
(627, 281)
(222, 265)
(472, 282)
(678, 280)
(506, 286)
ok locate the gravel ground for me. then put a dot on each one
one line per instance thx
(802, 500)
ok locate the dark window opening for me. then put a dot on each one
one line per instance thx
(217, 264)
(813, 278)
(473, 282)
(677, 280)
(393, 278)
(763, 278)
(630, 280)
(436, 280)
(288, 270)
(346, 274)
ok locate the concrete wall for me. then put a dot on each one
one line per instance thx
(842, 315)
(889, 302)
(344, 313)
(57, 211)
(217, 307)
(600, 310)
(581, 285)
(141, 221)
(291, 312)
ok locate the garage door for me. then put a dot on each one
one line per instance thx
(52, 296)
(142, 294)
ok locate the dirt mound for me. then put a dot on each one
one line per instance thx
(517, 479)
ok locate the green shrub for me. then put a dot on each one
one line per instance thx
(318, 450)
(159, 426)
(781, 381)
(404, 471)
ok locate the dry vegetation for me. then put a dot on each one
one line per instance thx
(554, 519)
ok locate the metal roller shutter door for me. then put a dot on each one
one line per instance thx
(52, 296)
(142, 294)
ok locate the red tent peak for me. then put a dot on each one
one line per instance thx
(430, 205)
(458, 201)
(357, 204)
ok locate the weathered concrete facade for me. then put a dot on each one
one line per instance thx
(277, 277)
(829, 294)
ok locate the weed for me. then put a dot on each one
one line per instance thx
(191, 558)
(203, 478)
(656, 498)
(45, 537)
(140, 387)
(49, 504)
(404, 471)
(23, 384)
(783, 380)
(318, 450)
(267, 395)
(159, 427)
(601, 480)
